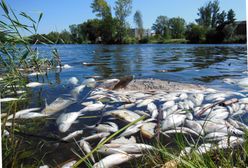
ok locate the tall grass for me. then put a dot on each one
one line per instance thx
(17, 59)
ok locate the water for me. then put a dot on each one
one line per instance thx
(198, 64)
(201, 64)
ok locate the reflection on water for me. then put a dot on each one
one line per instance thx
(204, 64)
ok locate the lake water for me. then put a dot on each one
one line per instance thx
(198, 64)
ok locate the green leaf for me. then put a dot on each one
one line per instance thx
(41, 14)
(24, 56)
(26, 16)
(4, 6)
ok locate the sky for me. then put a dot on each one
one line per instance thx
(59, 14)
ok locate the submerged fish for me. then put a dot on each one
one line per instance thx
(21, 112)
(73, 81)
(72, 135)
(57, 105)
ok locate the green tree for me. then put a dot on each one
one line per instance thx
(221, 18)
(139, 23)
(123, 9)
(231, 16)
(177, 27)
(195, 33)
(205, 15)
(101, 8)
(161, 26)
(65, 37)
(215, 12)
(90, 30)
(74, 30)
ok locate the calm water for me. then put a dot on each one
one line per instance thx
(201, 64)
(198, 64)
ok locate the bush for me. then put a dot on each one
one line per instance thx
(195, 33)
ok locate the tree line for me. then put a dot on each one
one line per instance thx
(211, 26)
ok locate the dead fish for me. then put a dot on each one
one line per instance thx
(131, 130)
(73, 81)
(87, 103)
(109, 84)
(76, 91)
(87, 148)
(148, 130)
(66, 66)
(57, 105)
(72, 135)
(125, 115)
(108, 127)
(231, 141)
(69, 164)
(216, 135)
(183, 130)
(21, 112)
(144, 102)
(36, 73)
(31, 115)
(168, 104)
(91, 82)
(185, 151)
(93, 107)
(35, 84)
(128, 148)
(114, 160)
(197, 99)
(173, 120)
(244, 100)
(8, 99)
(126, 106)
(96, 136)
(194, 126)
(152, 108)
(204, 148)
(65, 120)
(123, 140)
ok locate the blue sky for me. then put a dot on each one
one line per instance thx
(59, 14)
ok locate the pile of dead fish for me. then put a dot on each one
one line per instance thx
(211, 118)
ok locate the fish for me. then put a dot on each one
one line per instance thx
(215, 135)
(72, 135)
(197, 99)
(93, 107)
(126, 106)
(148, 130)
(8, 99)
(65, 120)
(183, 130)
(21, 112)
(73, 81)
(57, 105)
(123, 140)
(66, 66)
(144, 102)
(231, 141)
(194, 126)
(96, 136)
(69, 164)
(114, 160)
(204, 148)
(91, 82)
(125, 115)
(173, 120)
(31, 115)
(87, 148)
(152, 108)
(168, 104)
(108, 127)
(76, 91)
(131, 130)
(35, 84)
(133, 148)
(36, 73)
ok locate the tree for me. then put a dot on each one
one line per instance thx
(215, 12)
(139, 23)
(221, 18)
(177, 27)
(101, 8)
(205, 15)
(122, 9)
(195, 33)
(65, 37)
(231, 16)
(161, 26)
(74, 32)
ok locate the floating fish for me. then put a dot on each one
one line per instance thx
(65, 120)
(73, 81)
(72, 135)
(76, 91)
(21, 112)
(8, 99)
(108, 127)
(96, 136)
(36, 73)
(57, 105)
(87, 148)
(35, 84)
(69, 164)
(93, 107)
